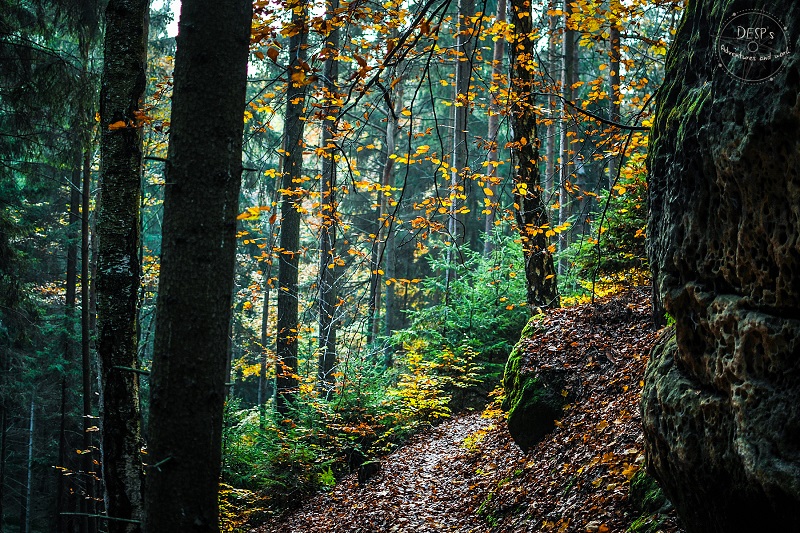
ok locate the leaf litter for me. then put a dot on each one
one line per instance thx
(467, 475)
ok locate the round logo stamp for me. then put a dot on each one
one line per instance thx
(752, 46)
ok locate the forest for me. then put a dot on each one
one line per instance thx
(261, 259)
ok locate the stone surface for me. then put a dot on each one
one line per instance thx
(533, 398)
(722, 393)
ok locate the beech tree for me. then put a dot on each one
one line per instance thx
(118, 276)
(198, 248)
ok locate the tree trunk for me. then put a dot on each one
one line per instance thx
(62, 522)
(327, 234)
(3, 432)
(288, 322)
(492, 131)
(460, 179)
(87, 502)
(615, 95)
(262, 371)
(531, 214)
(384, 241)
(118, 259)
(567, 137)
(201, 203)
(550, 194)
(25, 518)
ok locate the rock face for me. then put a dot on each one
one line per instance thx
(721, 402)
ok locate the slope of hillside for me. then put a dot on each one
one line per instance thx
(467, 475)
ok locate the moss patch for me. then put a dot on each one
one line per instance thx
(649, 500)
(533, 399)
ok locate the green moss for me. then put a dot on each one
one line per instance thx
(650, 501)
(533, 401)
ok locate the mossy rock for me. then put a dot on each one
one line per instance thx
(534, 400)
(649, 500)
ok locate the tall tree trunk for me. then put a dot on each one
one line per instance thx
(25, 517)
(531, 213)
(567, 138)
(460, 179)
(201, 202)
(327, 235)
(262, 371)
(3, 433)
(288, 261)
(552, 129)
(492, 131)
(123, 85)
(615, 82)
(383, 251)
(62, 521)
(87, 502)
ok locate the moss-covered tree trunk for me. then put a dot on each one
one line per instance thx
(531, 213)
(123, 87)
(201, 203)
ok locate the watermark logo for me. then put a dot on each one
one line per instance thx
(753, 46)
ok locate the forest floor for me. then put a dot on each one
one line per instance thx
(467, 475)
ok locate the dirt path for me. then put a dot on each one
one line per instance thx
(418, 489)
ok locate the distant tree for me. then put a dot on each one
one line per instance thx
(123, 85)
(197, 264)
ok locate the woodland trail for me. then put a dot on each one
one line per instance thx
(467, 474)
(420, 487)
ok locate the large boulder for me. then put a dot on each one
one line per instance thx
(534, 399)
(721, 401)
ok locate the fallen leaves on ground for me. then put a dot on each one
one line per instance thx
(467, 475)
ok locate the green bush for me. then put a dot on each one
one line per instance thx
(478, 319)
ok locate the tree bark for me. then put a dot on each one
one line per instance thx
(87, 502)
(62, 522)
(531, 214)
(118, 234)
(493, 128)
(552, 129)
(615, 94)
(201, 203)
(566, 139)
(288, 315)
(327, 234)
(460, 178)
(25, 519)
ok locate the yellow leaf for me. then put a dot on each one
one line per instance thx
(487, 191)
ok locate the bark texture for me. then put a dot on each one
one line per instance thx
(328, 222)
(531, 213)
(197, 265)
(286, 382)
(123, 85)
(721, 401)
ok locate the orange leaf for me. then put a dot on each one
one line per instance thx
(118, 125)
